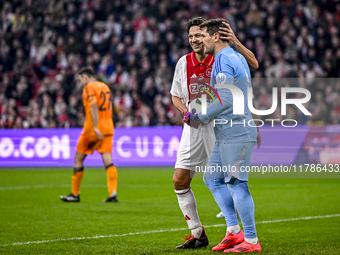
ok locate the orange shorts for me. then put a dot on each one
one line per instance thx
(87, 145)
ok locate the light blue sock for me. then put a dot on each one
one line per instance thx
(245, 206)
(223, 199)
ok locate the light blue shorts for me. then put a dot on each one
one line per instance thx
(229, 160)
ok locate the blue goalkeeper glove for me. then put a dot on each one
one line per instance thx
(191, 119)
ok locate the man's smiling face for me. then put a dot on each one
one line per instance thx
(195, 39)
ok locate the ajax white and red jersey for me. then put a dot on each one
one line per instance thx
(190, 75)
(196, 144)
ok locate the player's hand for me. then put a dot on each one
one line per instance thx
(186, 117)
(98, 133)
(191, 119)
(228, 34)
(258, 139)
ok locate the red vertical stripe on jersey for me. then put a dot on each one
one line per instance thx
(197, 70)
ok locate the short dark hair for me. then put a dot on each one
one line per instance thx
(88, 71)
(194, 22)
(213, 26)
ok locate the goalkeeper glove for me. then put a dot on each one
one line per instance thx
(191, 119)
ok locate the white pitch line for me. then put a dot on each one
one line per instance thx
(44, 186)
(166, 230)
(41, 186)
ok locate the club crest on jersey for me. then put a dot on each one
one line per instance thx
(208, 72)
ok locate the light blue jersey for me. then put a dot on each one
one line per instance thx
(231, 68)
(234, 142)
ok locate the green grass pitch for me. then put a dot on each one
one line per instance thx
(141, 223)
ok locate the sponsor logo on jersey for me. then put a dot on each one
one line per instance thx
(195, 87)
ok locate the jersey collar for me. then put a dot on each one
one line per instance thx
(223, 50)
(208, 61)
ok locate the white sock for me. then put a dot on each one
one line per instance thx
(234, 229)
(114, 193)
(252, 240)
(187, 203)
(197, 232)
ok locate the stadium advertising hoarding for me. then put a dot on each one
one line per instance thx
(57, 147)
(157, 146)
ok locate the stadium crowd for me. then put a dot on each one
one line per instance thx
(134, 46)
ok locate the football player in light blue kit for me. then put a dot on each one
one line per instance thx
(234, 141)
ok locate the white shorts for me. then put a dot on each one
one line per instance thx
(195, 147)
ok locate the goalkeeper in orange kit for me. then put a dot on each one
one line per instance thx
(97, 134)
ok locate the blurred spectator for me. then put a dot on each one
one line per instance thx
(60, 106)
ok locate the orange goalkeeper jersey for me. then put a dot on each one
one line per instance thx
(98, 92)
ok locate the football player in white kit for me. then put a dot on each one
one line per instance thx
(192, 72)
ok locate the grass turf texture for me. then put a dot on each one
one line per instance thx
(31, 210)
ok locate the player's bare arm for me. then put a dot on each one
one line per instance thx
(179, 104)
(94, 114)
(228, 34)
